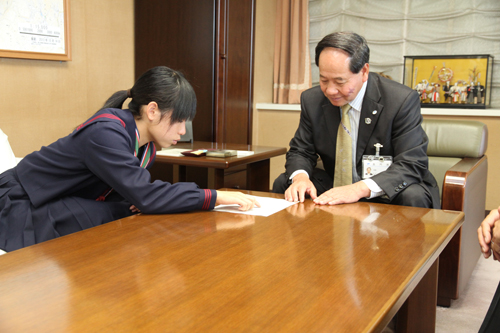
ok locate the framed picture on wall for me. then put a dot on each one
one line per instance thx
(450, 81)
(35, 29)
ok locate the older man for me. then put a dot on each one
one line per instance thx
(345, 120)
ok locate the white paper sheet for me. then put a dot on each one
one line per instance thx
(268, 207)
(243, 153)
(171, 152)
(177, 152)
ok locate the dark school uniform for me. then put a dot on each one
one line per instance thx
(65, 187)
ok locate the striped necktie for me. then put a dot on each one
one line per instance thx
(149, 151)
(343, 158)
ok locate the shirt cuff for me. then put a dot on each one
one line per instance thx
(295, 173)
(375, 190)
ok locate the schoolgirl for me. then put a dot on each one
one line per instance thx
(98, 173)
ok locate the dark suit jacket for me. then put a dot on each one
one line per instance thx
(394, 111)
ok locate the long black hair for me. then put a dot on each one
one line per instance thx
(167, 87)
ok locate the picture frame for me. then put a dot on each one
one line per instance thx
(31, 29)
(461, 81)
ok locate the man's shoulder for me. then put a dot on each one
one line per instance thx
(389, 85)
(313, 92)
(313, 96)
(387, 91)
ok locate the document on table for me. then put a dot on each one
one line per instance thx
(268, 207)
(177, 152)
(171, 152)
(243, 153)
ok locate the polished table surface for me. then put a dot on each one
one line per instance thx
(257, 165)
(346, 268)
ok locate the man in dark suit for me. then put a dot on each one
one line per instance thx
(380, 111)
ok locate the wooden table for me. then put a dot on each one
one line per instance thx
(256, 165)
(346, 268)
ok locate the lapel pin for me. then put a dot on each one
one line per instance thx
(368, 121)
(374, 112)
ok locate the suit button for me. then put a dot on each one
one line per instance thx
(405, 183)
(397, 189)
(401, 186)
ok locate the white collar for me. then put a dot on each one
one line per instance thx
(358, 101)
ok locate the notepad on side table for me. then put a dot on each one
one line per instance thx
(221, 153)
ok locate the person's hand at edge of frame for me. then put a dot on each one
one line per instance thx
(485, 234)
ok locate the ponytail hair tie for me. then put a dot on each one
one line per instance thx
(129, 94)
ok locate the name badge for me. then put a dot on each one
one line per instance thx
(375, 164)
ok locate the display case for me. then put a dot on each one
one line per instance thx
(450, 81)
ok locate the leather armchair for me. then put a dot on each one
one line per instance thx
(457, 161)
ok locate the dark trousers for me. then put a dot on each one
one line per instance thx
(491, 323)
(416, 195)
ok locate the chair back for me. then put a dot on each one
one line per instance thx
(452, 140)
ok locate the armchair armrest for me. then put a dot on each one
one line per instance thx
(464, 189)
(454, 186)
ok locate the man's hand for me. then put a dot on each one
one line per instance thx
(134, 209)
(488, 230)
(343, 194)
(301, 185)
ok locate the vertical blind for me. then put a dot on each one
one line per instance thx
(398, 28)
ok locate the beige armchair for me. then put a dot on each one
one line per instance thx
(457, 161)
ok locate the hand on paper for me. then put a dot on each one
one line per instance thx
(301, 186)
(231, 198)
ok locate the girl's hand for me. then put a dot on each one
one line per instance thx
(231, 198)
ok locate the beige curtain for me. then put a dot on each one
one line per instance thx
(395, 28)
(292, 65)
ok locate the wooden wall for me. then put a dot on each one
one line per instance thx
(42, 101)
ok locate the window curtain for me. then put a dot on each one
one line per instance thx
(292, 65)
(396, 28)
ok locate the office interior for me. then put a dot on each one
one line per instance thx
(45, 100)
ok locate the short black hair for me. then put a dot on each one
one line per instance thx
(351, 43)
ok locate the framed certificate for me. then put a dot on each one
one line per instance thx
(35, 29)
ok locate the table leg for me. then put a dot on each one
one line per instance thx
(448, 271)
(258, 176)
(215, 178)
(418, 313)
(179, 173)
